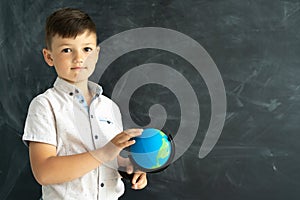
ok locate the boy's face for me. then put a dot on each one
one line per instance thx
(74, 59)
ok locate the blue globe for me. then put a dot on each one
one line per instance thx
(153, 150)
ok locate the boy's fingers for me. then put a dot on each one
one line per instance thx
(128, 143)
(133, 132)
(123, 143)
(128, 134)
(139, 181)
(137, 177)
(124, 139)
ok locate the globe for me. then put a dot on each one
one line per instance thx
(152, 151)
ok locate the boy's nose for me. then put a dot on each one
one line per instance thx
(78, 57)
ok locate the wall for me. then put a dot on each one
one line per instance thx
(255, 45)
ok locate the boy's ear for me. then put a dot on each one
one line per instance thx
(48, 57)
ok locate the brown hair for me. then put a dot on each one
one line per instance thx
(66, 23)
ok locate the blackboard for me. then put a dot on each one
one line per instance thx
(255, 46)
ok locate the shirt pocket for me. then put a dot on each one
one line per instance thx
(109, 127)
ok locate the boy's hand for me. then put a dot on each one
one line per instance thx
(122, 140)
(112, 149)
(139, 180)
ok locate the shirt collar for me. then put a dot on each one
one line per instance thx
(66, 87)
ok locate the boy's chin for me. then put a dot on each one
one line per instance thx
(79, 78)
(75, 80)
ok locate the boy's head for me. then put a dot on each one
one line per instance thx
(67, 23)
(71, 44)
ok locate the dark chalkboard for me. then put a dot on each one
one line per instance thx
(255, 46)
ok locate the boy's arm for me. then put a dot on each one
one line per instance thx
(51, 169)
(48, 168)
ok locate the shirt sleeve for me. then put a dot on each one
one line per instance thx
(40, 122)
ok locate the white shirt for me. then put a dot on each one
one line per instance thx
(61, 117)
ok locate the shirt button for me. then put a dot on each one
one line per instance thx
(102, 185)
(96, 137)
(92, 116)
(71, 93)
(76, 91)
(81, 101)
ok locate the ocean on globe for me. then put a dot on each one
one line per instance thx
(152, 151)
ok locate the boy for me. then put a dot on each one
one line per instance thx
(75, 133)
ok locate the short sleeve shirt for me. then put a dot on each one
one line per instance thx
(61, 117)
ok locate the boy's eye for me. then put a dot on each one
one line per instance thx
(67, 50)
(88, 49)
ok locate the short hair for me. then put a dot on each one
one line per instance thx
(67, 23)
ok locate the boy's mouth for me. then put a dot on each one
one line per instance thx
(78, 68)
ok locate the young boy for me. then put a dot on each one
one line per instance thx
(75, 133)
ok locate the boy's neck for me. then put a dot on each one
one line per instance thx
(83, 86)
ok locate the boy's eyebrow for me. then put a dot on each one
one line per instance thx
(89, 43)
(67, 44)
